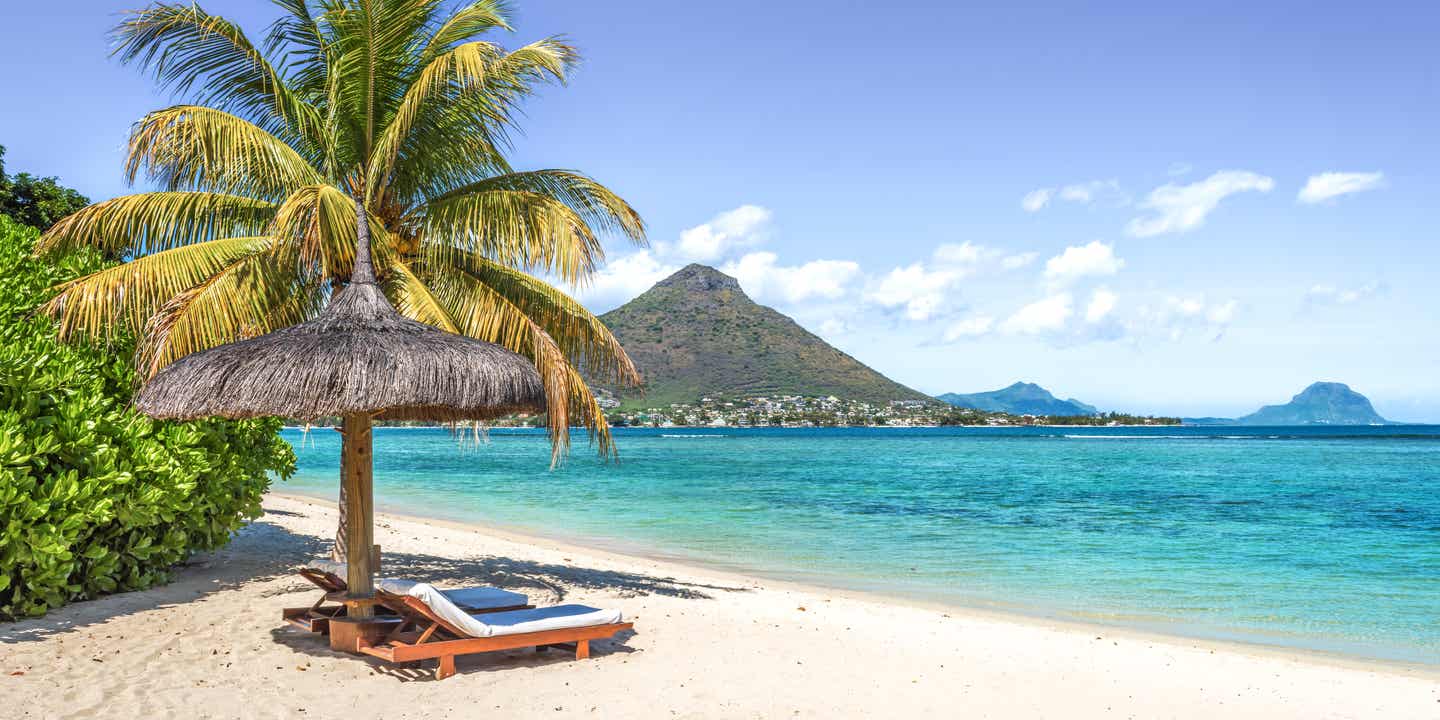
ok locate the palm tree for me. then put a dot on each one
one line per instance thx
(382, 115)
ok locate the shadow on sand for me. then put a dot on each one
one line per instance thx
(264, 552)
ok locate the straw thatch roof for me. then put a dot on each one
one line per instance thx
(358, 355)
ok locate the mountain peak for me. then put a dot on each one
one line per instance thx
(697, 334)
(1325, 387)
(700, 278)
(1021, 398)
(1322, 403)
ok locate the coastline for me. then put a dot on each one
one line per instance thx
(706, 644)
(684, 566)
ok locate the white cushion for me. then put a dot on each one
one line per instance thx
(512, 622)
(396, 586)
(474, 598)
(334, 568)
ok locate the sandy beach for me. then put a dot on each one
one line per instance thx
(706, 645)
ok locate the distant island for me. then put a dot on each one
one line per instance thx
(1022, 398)
(1323, 403)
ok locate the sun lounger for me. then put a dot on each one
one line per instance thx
(434, 627)
(328, 577)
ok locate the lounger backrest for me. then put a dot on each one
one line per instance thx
(415, 609)
(326, 580)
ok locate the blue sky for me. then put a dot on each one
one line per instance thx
(866, 169)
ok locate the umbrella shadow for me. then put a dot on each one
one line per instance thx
(545, 583)
(265, 552)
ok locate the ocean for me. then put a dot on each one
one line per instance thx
(1317, 538)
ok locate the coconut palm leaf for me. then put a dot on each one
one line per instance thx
(128, 295)
(190, 147)
(136, 225)
(479, 311)
(192, 52)
(250, 296)
(586, 342)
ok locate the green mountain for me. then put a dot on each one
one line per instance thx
(1022, 398)
(1323, 403)
(697, 334)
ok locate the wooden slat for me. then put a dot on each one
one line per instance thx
(466, 646)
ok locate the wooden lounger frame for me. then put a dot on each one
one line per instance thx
(317, 617)
(422, 635)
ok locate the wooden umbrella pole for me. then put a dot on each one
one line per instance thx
(357, 467)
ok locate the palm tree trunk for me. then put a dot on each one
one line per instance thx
(337, 551)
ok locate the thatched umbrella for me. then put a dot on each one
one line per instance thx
(358, 360)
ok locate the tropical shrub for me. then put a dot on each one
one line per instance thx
(94, 497)
(36, 201)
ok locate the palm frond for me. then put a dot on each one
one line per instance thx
(192, 147)
(585, 340)
(434, 148)
(152, 222)
(601, 208)
(464, 24)
(453, 71)
(481, 312)
(517, 228)
(193, 52)
(254, 295)
(413, 299)
(126, 296)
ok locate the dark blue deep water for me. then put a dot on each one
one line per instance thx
(1319, 538)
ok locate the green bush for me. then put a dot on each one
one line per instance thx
(94, 497)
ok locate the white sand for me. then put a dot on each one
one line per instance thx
(705, 645)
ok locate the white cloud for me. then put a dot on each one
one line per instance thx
(1178, 316)
(966, 253)
(970, 327)
(1036, 200)
(1332, 295)
(624, 278)
(831, 327)
(1018, 260)
(1102, 303)
(745, 226)
(1042, 316)
(1078, 261)
(1222, 314)
(761, 277)
(1325, 186)
(1181, 208)
(1095, 191)
(1084, 193)
(920, 291)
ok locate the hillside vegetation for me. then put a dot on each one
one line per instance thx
(697, 334)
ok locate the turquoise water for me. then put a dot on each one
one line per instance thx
(1318, 538)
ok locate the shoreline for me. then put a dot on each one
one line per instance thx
(705, 644)
(686, 566)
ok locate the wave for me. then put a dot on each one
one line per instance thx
(1145, 437)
